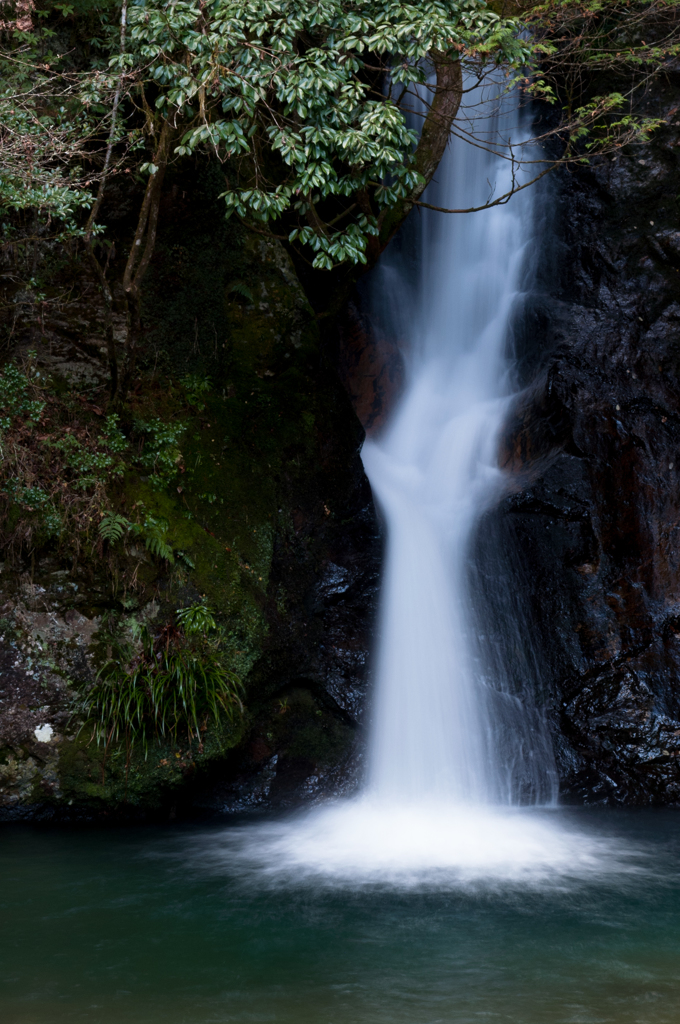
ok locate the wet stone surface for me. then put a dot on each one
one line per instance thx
(591, 531)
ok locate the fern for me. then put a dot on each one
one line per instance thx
(159, 547)
(239, 288)
(189, 562)
(113, 526)
(154, 532)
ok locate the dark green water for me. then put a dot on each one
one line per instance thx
(118, 926)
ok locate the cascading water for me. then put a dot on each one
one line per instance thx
(453, 753)
(434, 472)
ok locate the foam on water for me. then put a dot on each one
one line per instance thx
(429, 845)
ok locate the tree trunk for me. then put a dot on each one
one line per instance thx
(433, 141)
(329, 291)
(136, 267)
(108, 321)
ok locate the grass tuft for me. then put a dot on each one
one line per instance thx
(174, 682)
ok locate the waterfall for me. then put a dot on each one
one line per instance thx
(437, 731)
(460, 768)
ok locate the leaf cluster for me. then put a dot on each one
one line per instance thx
(583, 47)
(304, 103)
(16, 396)
(54, 111)
(161, 453)
(297, 90)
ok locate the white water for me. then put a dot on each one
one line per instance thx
(434, 472)
(452, 753)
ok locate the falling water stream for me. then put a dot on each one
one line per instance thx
(460, 782)
(434, 472)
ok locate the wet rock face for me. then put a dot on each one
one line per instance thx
(37, 629)
(310, 689)
(594, 447)
(370, 366)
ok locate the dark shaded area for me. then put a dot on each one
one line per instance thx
(270, 504)
(590, 535)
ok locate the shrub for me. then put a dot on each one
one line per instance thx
(15, 398)
(161, 452)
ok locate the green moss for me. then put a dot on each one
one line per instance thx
(92, 778)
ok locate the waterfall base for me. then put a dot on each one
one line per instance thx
(426, 845)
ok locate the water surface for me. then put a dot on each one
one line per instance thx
(172, 925)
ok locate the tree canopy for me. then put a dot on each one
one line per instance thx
(303, 101)
(305, 104)
(307, 92)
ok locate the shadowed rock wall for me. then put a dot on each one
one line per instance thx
(590, 536)
(578, 566)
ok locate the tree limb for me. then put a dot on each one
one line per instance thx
(434, 139)
(137, 265)
(94, 212)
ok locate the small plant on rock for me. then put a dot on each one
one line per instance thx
(152, 530)
(161, 452)
(175, 682)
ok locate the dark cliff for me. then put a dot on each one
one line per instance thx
(590, 533)
(578, 568)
